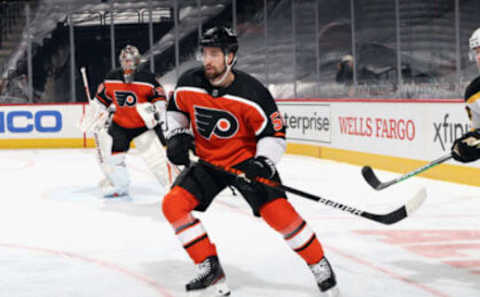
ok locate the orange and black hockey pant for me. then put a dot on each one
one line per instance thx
(198, 185)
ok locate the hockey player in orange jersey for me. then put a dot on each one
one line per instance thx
(230, 119)
(140, 104)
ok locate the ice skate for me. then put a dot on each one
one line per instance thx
(210, 281)
(114, 192)
(104, 183)
(325, 278)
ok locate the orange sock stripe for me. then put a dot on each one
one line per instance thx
(281, 216)
(299, 249)
(195, 240)
(187, 226)
(201, 249)
(312, 252)
(296, 231)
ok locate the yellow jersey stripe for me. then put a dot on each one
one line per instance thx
(473, 98)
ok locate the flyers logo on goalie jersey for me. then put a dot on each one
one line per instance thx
(213, 121)
(126, 98)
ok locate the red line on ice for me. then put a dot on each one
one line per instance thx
(157, 287)
(389, 273)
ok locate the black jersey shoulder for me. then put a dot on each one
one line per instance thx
(115, 74)
(193, 77)
(244, 85)
(248, 87)
(146, 76)
(473, 88)
(141, 76)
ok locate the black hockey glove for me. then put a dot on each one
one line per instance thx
(179, 143)
(259, 167)
(467, 148)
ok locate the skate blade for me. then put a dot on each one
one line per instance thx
(333, 292)
(219, 289)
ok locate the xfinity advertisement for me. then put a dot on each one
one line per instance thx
(449, 127)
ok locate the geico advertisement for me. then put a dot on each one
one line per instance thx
(41, 121)
(307, 122)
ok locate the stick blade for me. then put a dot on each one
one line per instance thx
(415, 203)
(370, 177)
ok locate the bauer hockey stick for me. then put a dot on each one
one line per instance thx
(375, 183)
(389, 218)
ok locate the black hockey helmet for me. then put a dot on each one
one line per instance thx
(222, 37)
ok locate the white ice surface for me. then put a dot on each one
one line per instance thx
(59, 238)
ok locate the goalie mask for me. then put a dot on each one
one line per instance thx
(129, 60)
(474, 43)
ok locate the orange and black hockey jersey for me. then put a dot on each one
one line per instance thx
(144, 88)
(227, 122)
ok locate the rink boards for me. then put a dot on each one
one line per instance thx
(395, 135)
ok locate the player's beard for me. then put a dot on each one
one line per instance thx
(213, 74)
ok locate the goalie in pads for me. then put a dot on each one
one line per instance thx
(138, 101)
(467, 148)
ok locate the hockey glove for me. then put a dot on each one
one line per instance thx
(259, 167)
(467, 148)
(179, 143)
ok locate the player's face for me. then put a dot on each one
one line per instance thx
(476, 52)
(213, 61)
(128, 64)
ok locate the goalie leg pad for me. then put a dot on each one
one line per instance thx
(104, 142)
(153, 153)
(282, 217)
(116, 171)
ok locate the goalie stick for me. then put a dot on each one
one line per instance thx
(109, 114)
(389, 218)
(375, 183)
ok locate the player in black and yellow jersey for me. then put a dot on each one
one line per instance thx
(467, 148)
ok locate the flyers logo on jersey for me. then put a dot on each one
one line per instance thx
(215, 121)
(127, 98)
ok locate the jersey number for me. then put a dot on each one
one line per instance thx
(126, 98)
(277, 121)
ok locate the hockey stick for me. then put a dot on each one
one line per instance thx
(375, 183)
(88, 128)
(389, 218)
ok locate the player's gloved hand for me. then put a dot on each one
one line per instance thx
(179, 143)
(467, 148)
(259, 167)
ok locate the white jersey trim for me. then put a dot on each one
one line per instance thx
(176, 120)
(272, 148)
